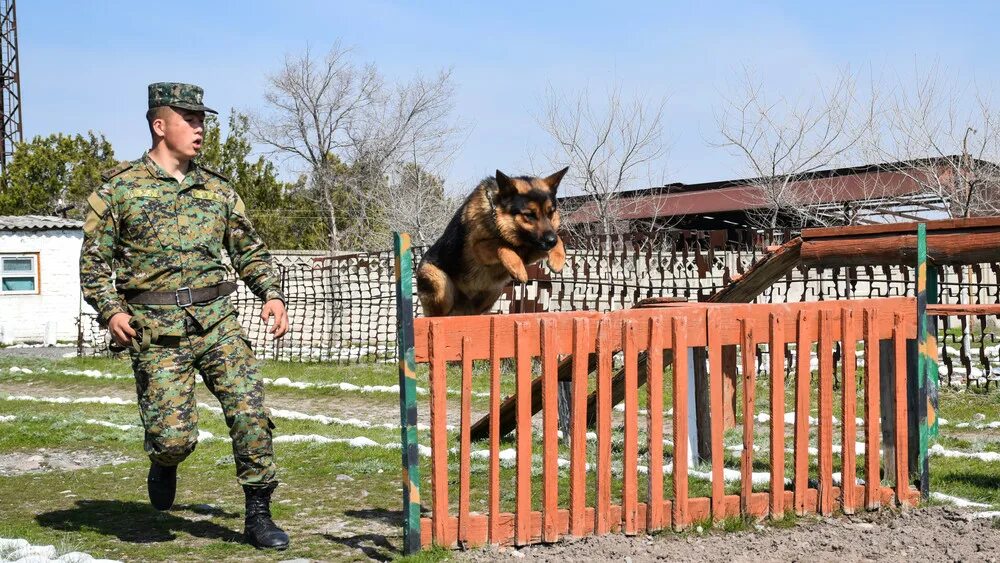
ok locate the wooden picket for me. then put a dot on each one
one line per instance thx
(648, 342)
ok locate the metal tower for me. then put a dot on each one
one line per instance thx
(10, 83)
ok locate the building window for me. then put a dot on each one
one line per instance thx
(19, 274)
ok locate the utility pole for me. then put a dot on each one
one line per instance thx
(10, 83)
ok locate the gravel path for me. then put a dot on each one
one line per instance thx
(927, 534)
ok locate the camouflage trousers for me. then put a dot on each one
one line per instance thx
(165, 385)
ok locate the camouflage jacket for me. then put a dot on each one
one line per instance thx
(148, 232)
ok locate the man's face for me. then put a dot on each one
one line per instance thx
(182, 131)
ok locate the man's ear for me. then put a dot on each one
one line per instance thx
(553, 180)
(505, 184)
(159, 127)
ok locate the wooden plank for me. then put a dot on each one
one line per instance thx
(465, 459)
(654, 424)
(849, 380)
(439, 439)
(902, 445)
(602, 523)
(494, 500)
(943, 247)
(957, 310)
(713, 319)
(825, 352)
(550, 438)
(522, 515)
(678, 329)
(630, 450)
(761, 275)
(776, 351)
(749, 351)
(872, 409)
(802, 381)
(985, 223)
(578, 440)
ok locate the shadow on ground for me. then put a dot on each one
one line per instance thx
(375, 546)
(135, 522)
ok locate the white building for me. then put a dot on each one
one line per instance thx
(39, 279)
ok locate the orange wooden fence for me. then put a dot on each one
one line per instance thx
(652, 336)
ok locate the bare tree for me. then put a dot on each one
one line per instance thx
(782, 142)
(416, 202)
(347, 128)
(946, 135)
(610, 146)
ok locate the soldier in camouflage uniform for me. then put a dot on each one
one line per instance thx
(152, 266)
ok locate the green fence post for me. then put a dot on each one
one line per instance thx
(927, 380)
(407, 392)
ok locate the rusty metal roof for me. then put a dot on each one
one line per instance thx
(37, 223)
(827, 186)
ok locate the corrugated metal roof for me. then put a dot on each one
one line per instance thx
(722, 197)
(36, 223)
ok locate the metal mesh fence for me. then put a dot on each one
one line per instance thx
(342, 308)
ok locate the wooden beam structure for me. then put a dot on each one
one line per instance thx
(953, 241)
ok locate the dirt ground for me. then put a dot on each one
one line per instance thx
(927, 534)
(41, 460)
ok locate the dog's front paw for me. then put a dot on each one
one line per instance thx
(521, 275)
(557, 257)
(513, 263)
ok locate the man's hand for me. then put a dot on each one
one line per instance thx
(120, 329)
(275, 308)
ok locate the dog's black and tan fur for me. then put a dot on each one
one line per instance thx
(504, 225)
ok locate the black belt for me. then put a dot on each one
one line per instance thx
(183, 297)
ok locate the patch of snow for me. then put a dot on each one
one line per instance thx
(66, 400)
(110, 424)
(838, 478)
(790, 418)
(938, 449)
(988, 514)
(957, 501)
(94, 374)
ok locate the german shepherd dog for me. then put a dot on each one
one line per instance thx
(503, 226)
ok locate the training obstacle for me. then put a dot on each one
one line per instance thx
(462, 340)
(890, 376)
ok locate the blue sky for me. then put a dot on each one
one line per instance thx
(85, 65)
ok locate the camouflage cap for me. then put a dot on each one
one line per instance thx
(178, 95)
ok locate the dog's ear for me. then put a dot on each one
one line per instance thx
(553, 181)
(505, 184)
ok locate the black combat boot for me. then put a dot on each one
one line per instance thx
(260, 530)
(161, 482)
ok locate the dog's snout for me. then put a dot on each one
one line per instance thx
(549, 240)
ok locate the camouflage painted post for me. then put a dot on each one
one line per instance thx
(927, 380)
(407, 392)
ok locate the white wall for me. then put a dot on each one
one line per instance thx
(24, 317)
